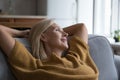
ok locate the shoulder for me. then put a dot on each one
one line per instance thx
(24, 42)
(21, 46)
(19, 51)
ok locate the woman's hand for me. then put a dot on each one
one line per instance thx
(79, 30)
(23, 33)
(14, 32)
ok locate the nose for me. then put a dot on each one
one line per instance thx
(65, 34)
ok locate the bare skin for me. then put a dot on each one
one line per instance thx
(55, 40)
(7, 41)
(79, 30)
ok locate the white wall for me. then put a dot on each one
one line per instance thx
(119, 14)
(85, 13)
(115, 15)
(62, 11)
(99, 17)
(102, 16)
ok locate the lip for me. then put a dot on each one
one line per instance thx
(64, 39)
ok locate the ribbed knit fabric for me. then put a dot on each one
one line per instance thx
(76, 65)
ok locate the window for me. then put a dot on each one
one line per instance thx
(102, 17)
(115, 19)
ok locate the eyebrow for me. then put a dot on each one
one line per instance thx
(54, 27)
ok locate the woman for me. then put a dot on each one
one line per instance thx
(48, 42)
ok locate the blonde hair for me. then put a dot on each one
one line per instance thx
(38, 50)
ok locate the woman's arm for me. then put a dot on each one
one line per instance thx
(79, 30)
(7, 41)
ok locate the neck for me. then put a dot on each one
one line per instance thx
(50, 50)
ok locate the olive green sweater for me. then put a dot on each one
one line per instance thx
(76, 65)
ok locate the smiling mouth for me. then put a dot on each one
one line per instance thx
(64, 39)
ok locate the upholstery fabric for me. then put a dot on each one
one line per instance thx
(117, 63)
(102, 55)
(5, 71)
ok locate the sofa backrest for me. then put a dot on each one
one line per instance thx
(102, 55)
(5, 71)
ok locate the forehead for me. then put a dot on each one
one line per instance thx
(54, 25)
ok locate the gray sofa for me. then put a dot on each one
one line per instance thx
(102, 54)
(100, 50)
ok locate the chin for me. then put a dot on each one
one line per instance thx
(66, 47)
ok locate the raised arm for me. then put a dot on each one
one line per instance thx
(6, 38)
(79, 30)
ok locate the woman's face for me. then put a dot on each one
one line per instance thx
(56, 38)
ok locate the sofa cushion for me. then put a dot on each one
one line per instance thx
(117, 63)
(102, 55)
(5, 72)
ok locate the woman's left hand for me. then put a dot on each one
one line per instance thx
(25, 33)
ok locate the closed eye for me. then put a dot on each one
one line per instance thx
(57, 29)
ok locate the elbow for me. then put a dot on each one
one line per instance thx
(2, 28)
(1, 31)
(81, 27)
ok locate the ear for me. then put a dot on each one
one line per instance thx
(43, 37)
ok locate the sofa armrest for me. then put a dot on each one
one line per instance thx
(117, 63)
(5, 71)
(102, 54)
(116, 48)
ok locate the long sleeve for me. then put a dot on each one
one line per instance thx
(21, 57)
(26, 67)
(80, 50)
(78, 46)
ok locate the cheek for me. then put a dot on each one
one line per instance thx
(54, 36)
(54, 39)
(53, 42)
